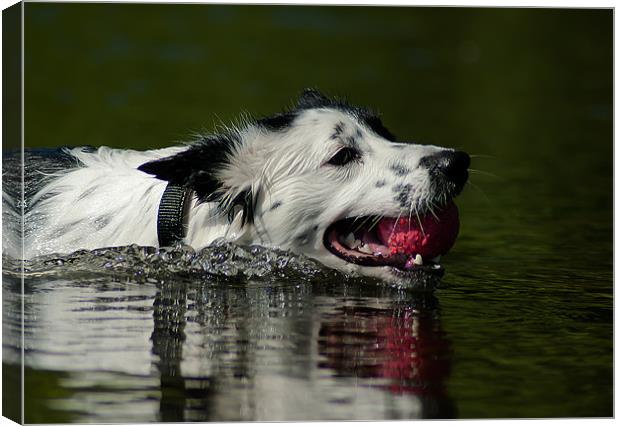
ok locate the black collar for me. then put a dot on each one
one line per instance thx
(172, 214)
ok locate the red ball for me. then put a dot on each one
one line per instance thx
(429, 236)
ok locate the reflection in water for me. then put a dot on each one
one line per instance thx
(403, 345)
(168, 336)
(164, 345)
(299, 353)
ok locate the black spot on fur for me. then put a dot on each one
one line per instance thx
(399, 169)
(315, 227)
(399, 146)
(380, 183)
(402, 194)
(338, 129)
(275, 205)
(338, 135)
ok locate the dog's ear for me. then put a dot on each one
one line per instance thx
(198, 168)
(312, 98)
(194, 168)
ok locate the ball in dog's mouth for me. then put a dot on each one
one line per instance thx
(408, 244)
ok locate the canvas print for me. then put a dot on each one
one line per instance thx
(297, 213)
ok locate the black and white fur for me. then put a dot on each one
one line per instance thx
(278, 181)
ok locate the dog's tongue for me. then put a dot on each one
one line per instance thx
(428, 236)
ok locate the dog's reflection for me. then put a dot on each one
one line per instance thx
(402, 348)
(299, 352)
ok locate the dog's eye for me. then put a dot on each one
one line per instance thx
(344, 156)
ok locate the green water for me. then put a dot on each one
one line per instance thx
(523, 322)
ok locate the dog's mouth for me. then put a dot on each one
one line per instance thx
(406, 244)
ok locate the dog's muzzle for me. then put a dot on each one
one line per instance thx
(408, 243)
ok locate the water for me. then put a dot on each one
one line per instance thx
(522, 323)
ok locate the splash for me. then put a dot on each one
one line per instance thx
(222, 261)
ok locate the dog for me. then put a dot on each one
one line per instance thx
(324, 178)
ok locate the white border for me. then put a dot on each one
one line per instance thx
(453, 3)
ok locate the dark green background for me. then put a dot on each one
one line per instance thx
(528, 295)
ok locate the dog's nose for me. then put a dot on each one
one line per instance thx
(452, 165)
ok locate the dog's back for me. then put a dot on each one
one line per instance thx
(85, 198)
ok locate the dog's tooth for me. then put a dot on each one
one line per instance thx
(418, 260)
(357, 243)
(350, 240)
(436, 259)
(365, 249)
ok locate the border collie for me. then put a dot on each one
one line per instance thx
(324, 178)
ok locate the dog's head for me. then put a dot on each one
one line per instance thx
(329, 180)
